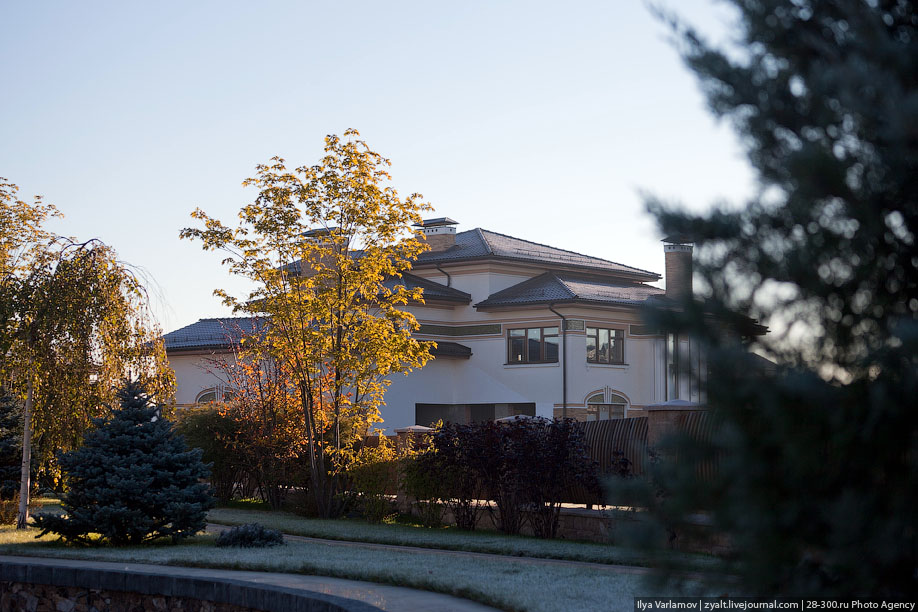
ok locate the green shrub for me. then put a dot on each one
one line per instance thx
(525, 467)
(451, 461)
(132, 481)
(9, 511)
(250, 535)
(374, 477)
(425, 486)
(214, 432)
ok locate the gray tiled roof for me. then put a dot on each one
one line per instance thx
(432, 290)
(483, 244)
(446, 348)
(561, 287)
(212, 333)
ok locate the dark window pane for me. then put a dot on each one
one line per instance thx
(526, 408)
(517, 348)
(482, 412)
(428, 414)
(517, 332)
(604, 345)
(535, 342)
(551, 348)
(618, 347)
(591, 347)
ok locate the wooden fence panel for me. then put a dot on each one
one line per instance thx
(626, 435)
(604, 438)
(701, 427)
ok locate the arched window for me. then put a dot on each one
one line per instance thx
(206, 396)
(216, 394)
(601, 408)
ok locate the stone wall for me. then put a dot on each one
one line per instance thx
(46, 598)
(62, 585)
(616, 526)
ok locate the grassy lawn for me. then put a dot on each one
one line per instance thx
(444, 538)
(508, 583)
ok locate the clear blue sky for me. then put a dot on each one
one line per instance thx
(544, 121)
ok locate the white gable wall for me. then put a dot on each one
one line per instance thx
(195, 373)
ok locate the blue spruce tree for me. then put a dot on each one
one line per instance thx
(132, 481)
(10, 447)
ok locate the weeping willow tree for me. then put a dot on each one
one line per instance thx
(818, 463)
(75, 324)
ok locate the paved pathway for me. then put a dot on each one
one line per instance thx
(383, 597)
(616, 569)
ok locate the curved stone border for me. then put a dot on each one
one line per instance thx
(245, 594)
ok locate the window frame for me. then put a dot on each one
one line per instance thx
(595, 409)
(614, 332)
(525, 337)
(222, 394)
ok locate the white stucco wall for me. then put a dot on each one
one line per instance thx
(486, 378)
(195, 373)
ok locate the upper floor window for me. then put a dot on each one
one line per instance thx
(533, 345)
(605, 345)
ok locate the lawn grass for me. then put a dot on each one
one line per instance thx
(356, 530)
(510, 584)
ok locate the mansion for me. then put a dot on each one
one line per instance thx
(521, 329)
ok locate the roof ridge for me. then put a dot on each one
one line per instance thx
(485, 240)
(593, 276)
(421, 281)
(548, 246)
(533, 281)
(563, 284)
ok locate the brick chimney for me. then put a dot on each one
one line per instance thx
(439, 233)
(324, 237)
(678, 253)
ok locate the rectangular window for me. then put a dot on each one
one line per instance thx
(428, 414)
(673, 378)
(532, 345)
(605, 345)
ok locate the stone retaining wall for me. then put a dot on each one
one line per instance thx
(63, 586)
(47, 598)
(618, 527)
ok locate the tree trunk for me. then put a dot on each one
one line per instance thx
(22, 519)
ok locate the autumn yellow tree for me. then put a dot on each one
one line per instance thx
(74, 323)
(269, 436)
(318, 242)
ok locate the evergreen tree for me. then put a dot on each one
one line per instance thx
(132, 481)
(10, 446)
(817, 484)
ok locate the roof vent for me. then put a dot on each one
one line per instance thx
(440, 233)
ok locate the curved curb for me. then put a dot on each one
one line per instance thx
(174, 582)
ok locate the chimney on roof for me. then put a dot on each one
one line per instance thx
(439, 233)
(678, 253)
(325, 237)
